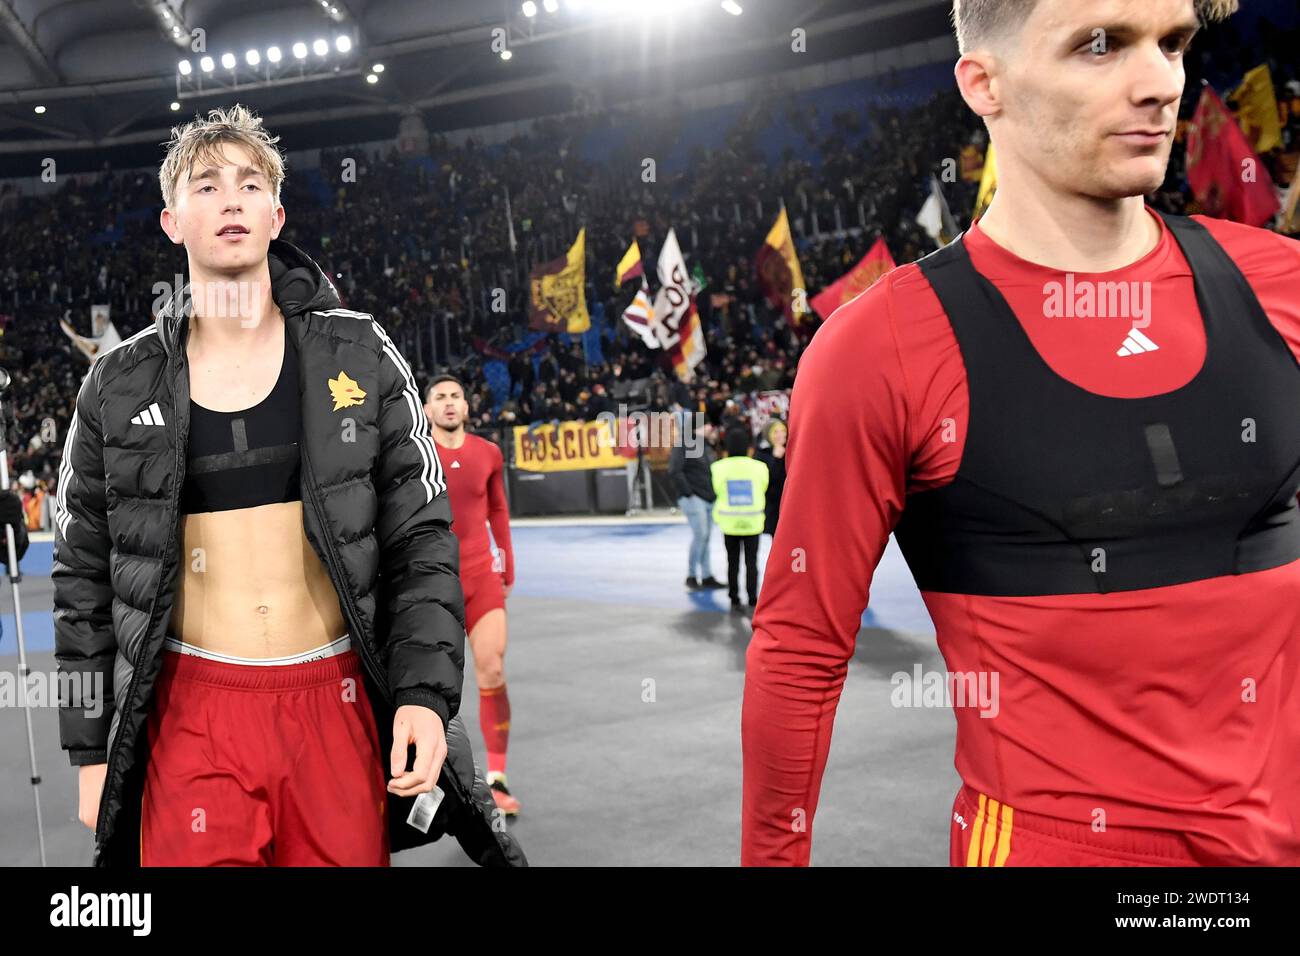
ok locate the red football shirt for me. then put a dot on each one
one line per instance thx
(476, 490)
(1132, 701)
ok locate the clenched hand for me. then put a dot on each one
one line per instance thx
(414, 724)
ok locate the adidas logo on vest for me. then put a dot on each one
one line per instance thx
(1135, 343)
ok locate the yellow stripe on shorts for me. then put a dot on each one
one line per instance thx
(972, 851)
(1004, 840)
(990, 833)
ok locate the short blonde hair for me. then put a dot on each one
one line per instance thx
(200, 140)
(980, 21)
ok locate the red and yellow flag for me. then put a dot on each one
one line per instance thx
(1257, 111)
(630, 266)
(1226, 176)
(779, 274)
(559, 295)
(857, 280)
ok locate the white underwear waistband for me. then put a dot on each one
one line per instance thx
(332, 649)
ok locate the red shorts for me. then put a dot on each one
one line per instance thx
(484, 591)
(263, 765)
(988, 833)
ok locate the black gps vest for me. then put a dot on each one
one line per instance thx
(249, 457)
(1063, 491)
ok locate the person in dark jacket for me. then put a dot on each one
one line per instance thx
(261, 596)
(12, 514)
(688, 470)
(772, 454)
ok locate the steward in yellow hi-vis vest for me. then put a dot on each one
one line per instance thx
(740, 486)
(740, 482)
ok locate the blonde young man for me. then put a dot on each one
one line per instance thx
(1097, 501)
(253, 551)
(474, 471)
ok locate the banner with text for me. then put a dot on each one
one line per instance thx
(571, 446)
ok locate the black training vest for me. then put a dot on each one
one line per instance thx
(1063, 491)
(249, 457)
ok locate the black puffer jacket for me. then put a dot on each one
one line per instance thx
(11, 512)
(690, 474)
(374, 508)
(775, 487)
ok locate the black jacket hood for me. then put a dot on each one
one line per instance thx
(298, 286)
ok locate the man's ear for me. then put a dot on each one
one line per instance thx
(977, 80)
(277, 221)
(171, 226)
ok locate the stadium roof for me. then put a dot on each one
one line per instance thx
(93, 76)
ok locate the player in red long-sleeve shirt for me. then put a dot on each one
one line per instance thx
(474, 470)
(1094, 484)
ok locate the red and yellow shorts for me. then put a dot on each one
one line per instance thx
(988, 833)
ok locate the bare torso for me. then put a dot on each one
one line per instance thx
(251, 584)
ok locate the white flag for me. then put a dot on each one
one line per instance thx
(105, 333)
(640, 316)
(677, 323)
(935, 217)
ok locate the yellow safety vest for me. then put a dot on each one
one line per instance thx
(740, 484)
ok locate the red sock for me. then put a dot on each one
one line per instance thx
(494, 719)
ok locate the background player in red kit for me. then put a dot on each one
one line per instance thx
(476, 489)
(1101, 511)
